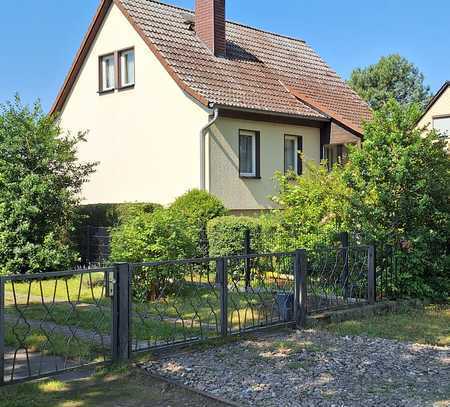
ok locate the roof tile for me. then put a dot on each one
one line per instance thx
(258, 72)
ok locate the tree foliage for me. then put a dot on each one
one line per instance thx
(40, 183)
(400, 182)
(314, 208)
(392, 77)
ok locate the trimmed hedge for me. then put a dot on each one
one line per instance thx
(111, 215)
(226, 235)
(198, 208)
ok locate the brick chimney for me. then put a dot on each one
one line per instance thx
(210, 24)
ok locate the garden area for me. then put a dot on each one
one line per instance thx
(373, 228)
(400, 358)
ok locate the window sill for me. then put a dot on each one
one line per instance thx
(105, 92)
(249, 177)
(126, 87)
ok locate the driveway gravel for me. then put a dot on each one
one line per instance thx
(315, 368)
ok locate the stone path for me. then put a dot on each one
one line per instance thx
(19, 365)
(315, 368)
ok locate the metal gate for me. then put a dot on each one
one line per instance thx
(54, 322)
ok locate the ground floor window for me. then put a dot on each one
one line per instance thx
(248, 153)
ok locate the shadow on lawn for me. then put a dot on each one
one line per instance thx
(112, 387)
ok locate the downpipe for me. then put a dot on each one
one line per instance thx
(203, 133)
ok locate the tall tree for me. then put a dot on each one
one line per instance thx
(40, 183)
(392, 77)
(400, 180)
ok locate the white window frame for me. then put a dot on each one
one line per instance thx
(252, 134)
(122, 62)
(295, 139)
(446, 134)
(104, 72)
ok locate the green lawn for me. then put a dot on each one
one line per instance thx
(428, 326)
(118, 386)
(90, 310)
(86, 288)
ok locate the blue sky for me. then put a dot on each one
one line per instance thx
(40, 38)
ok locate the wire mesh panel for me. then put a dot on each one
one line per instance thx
(53, 322)
(174, 302)
(387, 261)
(337, 278)
(260, 290)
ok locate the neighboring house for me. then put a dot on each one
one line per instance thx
(437, 113)
(175, 100)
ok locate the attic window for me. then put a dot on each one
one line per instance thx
(107, 73)
(126, 58)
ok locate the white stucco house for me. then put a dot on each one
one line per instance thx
(174, 100)
(437, 113)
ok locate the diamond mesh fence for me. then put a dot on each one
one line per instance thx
(337, 278)
(260, 290)
(54, 322)
(174, 302)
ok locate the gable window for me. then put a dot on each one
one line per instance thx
(293, 146)
(248, 154)
(107, 73)
(126, 59)
(442, 125)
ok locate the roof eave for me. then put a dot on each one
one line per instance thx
(89, 38)
(324, 119)
(434, 99)
(80, 56)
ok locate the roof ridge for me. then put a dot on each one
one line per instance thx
(232, 22)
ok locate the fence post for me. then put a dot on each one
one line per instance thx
(343, 237)
(223, 294)
(371, 278)
(121, 343)
(300, 293)
(2, 331)
(247, 251)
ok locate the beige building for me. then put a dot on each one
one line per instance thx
(437, 113)
(174, 100)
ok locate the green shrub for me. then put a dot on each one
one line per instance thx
(314, 208)
(40, 184)
(160, 235)
(150, 237)
(226, 235)
(400, 183)
(198, 208)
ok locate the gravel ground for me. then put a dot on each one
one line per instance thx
(316, 368)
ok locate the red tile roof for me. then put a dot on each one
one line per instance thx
(262, 71)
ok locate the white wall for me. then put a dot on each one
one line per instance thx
(439, 108)
(146, 138)
(250, 194)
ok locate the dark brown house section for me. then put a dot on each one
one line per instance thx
(210, 24)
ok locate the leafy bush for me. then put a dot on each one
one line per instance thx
(400, 183)
(198, 207)
(161, 235)
(226, 235)
(40, 185)
(314, 208)
(150, 237)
